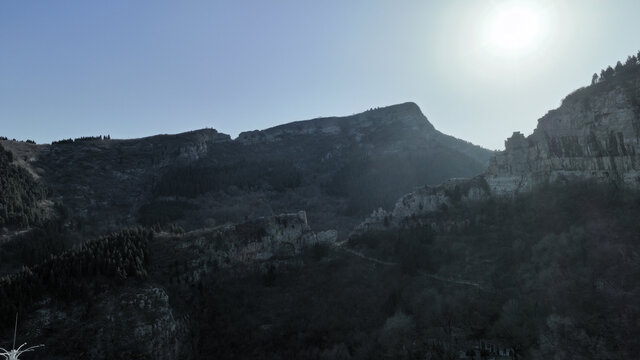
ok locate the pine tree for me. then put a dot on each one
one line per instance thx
(618, 67)
(631, 61)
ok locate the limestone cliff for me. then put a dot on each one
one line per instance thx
(594, 134)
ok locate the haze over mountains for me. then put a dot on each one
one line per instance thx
(359, 237)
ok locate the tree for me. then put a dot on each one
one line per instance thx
(608, 73)
(631, 61)
(594, 78)
(618, 67)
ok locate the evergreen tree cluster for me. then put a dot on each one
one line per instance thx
(63, 141)
(633, 61)
(20, 194)
(72, 274)
(623, 75)
(81, 139)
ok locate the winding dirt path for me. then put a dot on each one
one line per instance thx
(433, 276)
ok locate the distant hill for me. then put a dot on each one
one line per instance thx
(338, 169)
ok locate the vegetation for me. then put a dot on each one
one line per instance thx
(73, 274)
(20, 194)
(81, 139)
(622, 75)
(550, 273)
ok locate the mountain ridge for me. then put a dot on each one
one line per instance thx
(118, 182)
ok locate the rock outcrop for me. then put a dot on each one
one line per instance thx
(128, 322)
(250, 243)
(595, 134)
(426, 201)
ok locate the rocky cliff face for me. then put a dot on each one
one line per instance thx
(124, 322)
(593, 135)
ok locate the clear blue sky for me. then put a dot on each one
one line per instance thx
(138, 68)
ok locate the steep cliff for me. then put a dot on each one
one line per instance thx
(594, 134)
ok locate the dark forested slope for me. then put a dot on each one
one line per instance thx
(20, 194)
(549, 273)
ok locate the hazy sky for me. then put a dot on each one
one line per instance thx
(138, 68)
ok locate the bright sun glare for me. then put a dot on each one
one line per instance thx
(514, 28)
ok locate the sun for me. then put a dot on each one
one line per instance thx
(514, 28)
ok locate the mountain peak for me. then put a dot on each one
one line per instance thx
(405, 115)
(408, 106)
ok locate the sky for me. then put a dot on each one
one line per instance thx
(138, 68)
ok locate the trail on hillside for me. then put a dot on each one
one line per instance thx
(361, 255)
(454, 281)
(433, 276)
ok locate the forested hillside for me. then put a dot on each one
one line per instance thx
(20, 194)
(77, 273)
(550, 273)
